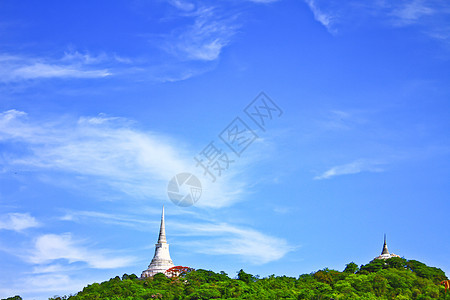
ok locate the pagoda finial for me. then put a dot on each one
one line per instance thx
(385, 248)
(162, 230)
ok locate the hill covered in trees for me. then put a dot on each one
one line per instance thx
(395, 278)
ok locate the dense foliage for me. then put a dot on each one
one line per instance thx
(395, 278)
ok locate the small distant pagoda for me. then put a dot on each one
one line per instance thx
(385, 252)
(161, 261)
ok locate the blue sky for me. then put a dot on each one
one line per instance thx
(101, 104)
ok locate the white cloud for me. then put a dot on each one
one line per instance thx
(74, 65)
(136, 218)
(53, 268)
(178, 71)
(342, 120)
(109, 150)
(18, 221)
(263, 1)
(355, 167)
(283, 209)
(182, 5)
(194, 47)
(411, 12)
(100, 146)
(85, 58)
(109, 218)
(430, 17)
(319, 15)
(41, 70)
(49, 248)
(41, 286)
(247, 244)
(53, 282)
(205, 38)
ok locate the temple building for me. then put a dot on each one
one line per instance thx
(161, 261)
(385, 252)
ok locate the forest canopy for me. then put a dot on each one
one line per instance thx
(394, 278)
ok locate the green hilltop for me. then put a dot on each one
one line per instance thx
(394, 278)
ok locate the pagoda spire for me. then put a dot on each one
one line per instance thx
(162, 230)
(385, 248)
(385, 252)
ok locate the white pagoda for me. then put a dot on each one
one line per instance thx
(161, 261)
(385, 252)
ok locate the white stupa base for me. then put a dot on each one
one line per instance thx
(387, 256)
(155, 267)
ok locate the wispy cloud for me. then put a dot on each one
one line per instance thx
(18, 221)
(51, 283)
(205, 38)
(263, 1)
(86, 58)
(411, 12)
(324, 18)
(210, 237)
(49, 248)
(178, 71)
(15, 68)
(41, 286)
(55, 261)
(109, 150)
(341, 119)
(182, 5)
(245, 243)
(357, 166)
(42, 70)
(101, 146)
(195, 47)
(430, 17)
(109, 218)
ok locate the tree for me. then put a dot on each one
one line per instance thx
(380, 284)
(378, 279)
(395, 262)
(422, 270)
(323, 276)
(446, 284)
(178, 271)
(245, 277)
(351, 268)
(373, 266)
